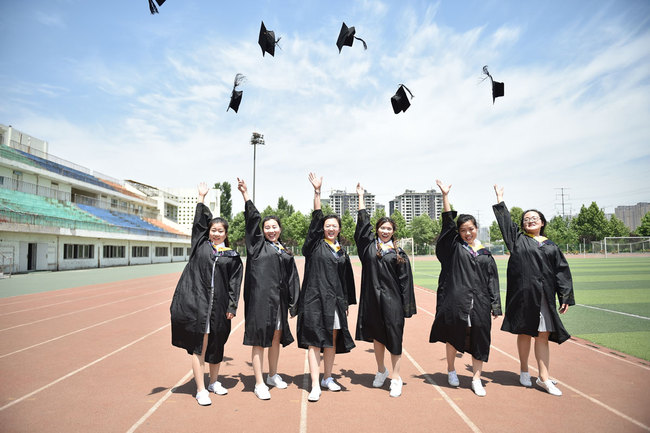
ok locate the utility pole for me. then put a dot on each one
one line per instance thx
(256, 139)
(562, 195)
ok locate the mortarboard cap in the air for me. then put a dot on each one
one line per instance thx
(152, 6)
(267, 40)
(346, 37)
(497, 87)
(400, 100)
(236, 95)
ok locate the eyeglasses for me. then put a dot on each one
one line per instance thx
(531, 220)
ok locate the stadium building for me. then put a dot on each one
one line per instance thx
(57, 215)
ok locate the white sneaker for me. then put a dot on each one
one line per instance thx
(330, 384)
(396, 387)
(549, 386)
(452, 378)
(524, 379)
(276, 381)
(314, 395)
(217, 388)
(203, 398)
(380, 378)
(262, 392)
(477, 387)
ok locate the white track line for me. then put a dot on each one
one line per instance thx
(169, 393)
(305, 394)
(609, 354)
(593, 400)
(613, 311)
(72, 373)
(83, 329)
(84, 309)
(444, 395)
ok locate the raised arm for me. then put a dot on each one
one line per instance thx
(499, 193)
(445, 195)
(203, 191)
(360, 192)
(316, 182)
(241, 186)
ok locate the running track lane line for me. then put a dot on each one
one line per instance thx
(84, 309)
(72, 373)
(593, 400)
(83, 329)
(613, 311)
(570, 341)
(169, 393)
(305, 394)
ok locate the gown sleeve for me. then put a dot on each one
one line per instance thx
(448, 235)
(315, 234)
(349, 287)
(294, 287)
(509, 229)
(493, 287)
(563, 279)
(407, 290)
(234, 284)
(202, 217)
(363, 236)
(254, 236)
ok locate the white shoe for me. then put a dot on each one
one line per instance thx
(477, 387)
(262, 392)
(524, 379)
(276, 381)
(380, 378)
(396, 387)
(330, 384)
(217, 388)
(549, 386)
(452, 378)
(314, 395)
(203, 398)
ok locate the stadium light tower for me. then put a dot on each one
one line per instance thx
(256, 139)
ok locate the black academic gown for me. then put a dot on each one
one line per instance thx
(468, 285)
(271, 283)
(534, 271)
(208, 288)
(387, 294)
(328, 286)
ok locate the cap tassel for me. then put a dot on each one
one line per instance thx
(407, 89)
(152, 7)
(239, 78)
(365, 46)
(485, 72)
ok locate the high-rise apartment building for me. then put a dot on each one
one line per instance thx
(631, 215)
(340, 201)
(412, 204)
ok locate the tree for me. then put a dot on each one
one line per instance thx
(379, 214)
(559, 230)
(617, 227)
(402, 230)
(225, 202)
(294, 229)
(422, 229)
(590, 224)
(495, 232)
(237, 230)
(516, 213)
(644, 228)
(348, 226)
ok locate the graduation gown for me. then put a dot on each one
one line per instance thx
(328, 286)
(271, 282)
(468, 286)
(534, 271)
(208, 288)
(387, 294)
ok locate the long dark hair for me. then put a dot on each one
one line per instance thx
(463, 218)
(224, 223)
(541, 217)
(277, 220)
(380, 222)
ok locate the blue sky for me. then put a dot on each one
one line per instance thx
(144, 97)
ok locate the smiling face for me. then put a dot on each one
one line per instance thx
(532, 223)
(218, 233)
(332, 229)
(467, 232)
(385, 231)
(271, 230)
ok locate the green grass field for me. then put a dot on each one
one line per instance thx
(612, 300)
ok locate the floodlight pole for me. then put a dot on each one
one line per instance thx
(256, 139)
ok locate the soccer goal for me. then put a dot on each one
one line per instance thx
(618, 245)
(408, 246)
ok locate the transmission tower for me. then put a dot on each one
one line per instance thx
(560, 195)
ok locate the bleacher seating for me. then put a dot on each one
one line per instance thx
(121, 219)
(9, 153)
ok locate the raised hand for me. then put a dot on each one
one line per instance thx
(499, 193)
(241, 186)
(315, 181)
(203, 189)
(360, 189)
(443, 189)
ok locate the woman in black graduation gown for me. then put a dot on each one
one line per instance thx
(271, 287)
(327, 290)
(468, 291)
(206, 298)
(537, 271)
(387, 294)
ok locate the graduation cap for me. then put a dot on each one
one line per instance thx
(399, 100)
(152, 6)
(346, 37)
(235, 96)
(267, 40)
(497, 87)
